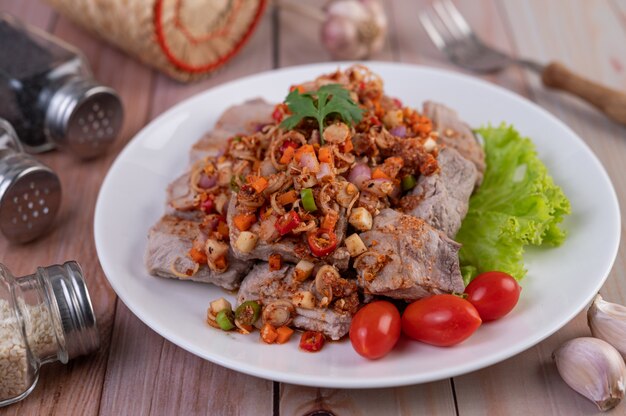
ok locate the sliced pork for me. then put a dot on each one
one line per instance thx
(245, 118)
(333, 319)
(442, 199)
(456, 134)
(167, 255)
(407, 259)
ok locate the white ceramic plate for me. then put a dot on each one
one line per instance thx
(560, 281)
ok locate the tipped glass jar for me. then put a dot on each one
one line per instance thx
(44, 317)
(49, 94)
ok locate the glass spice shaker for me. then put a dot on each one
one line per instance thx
(30, 192)
(49, 95)
(44, 317)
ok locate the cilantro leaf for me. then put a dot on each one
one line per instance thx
(327, 100)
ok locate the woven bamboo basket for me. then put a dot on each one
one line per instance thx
(186, 39)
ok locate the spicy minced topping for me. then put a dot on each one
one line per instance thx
(337, 152)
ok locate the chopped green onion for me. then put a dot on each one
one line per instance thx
(408, 182)
(308, 202)
(225, 319)
(248, 312)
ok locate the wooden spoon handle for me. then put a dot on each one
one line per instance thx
(611, 102)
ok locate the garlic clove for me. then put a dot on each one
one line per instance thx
(607, 321)
(594, 369)
(354, 29)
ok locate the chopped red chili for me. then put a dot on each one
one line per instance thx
(312, 341)
(322, 242)
(287, 222)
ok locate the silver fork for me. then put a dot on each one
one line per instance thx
(451, 34)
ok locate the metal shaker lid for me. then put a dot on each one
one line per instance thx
(78, 321)
(30, 192)
(84, 117)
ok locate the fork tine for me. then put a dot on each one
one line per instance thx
(448, 21)
(432, 32)
(457, 17)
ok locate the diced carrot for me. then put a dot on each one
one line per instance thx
(284, 333)
(287, 155)
(259, 184)
(275, 261)
(307, 148)
(347, 146)
(379, 174)
(220, 263)
(268, 333)
(243, 222)
(222, 229)
(325, 155)
(330, 220)
(287, 198)
(197, 256)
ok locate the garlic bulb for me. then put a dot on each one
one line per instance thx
(594, 369)
(354, 29)
(607, 321)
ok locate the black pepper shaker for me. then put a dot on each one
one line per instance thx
(48, 94)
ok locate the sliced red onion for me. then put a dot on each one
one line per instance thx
(308, 160)
(398, 131)
(207, 182)
(359, 174)
(325, 170)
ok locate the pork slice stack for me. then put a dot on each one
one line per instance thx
(245, 119)
(265, 286)
(407, 258)
(167, 255)
(455, 133)
(442, 199)
(411, 252)
(173, 236)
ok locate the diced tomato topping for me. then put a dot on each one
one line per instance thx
(312, 341)
(287, 222)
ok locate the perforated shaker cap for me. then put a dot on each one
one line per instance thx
(68, 292)
(30, 192)
(84, 117)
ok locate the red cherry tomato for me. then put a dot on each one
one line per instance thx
(375, 329)
(493, 294)
(441, 320)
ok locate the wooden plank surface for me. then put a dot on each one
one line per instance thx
(138, 372)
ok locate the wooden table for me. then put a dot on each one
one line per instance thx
(137, 372)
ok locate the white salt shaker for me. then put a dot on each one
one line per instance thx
(44, 317)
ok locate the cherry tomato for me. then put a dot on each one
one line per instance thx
(312, 341)
(375, 329)
(493, 294)
(441, 320)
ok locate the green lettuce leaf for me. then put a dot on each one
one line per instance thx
(517, 204)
